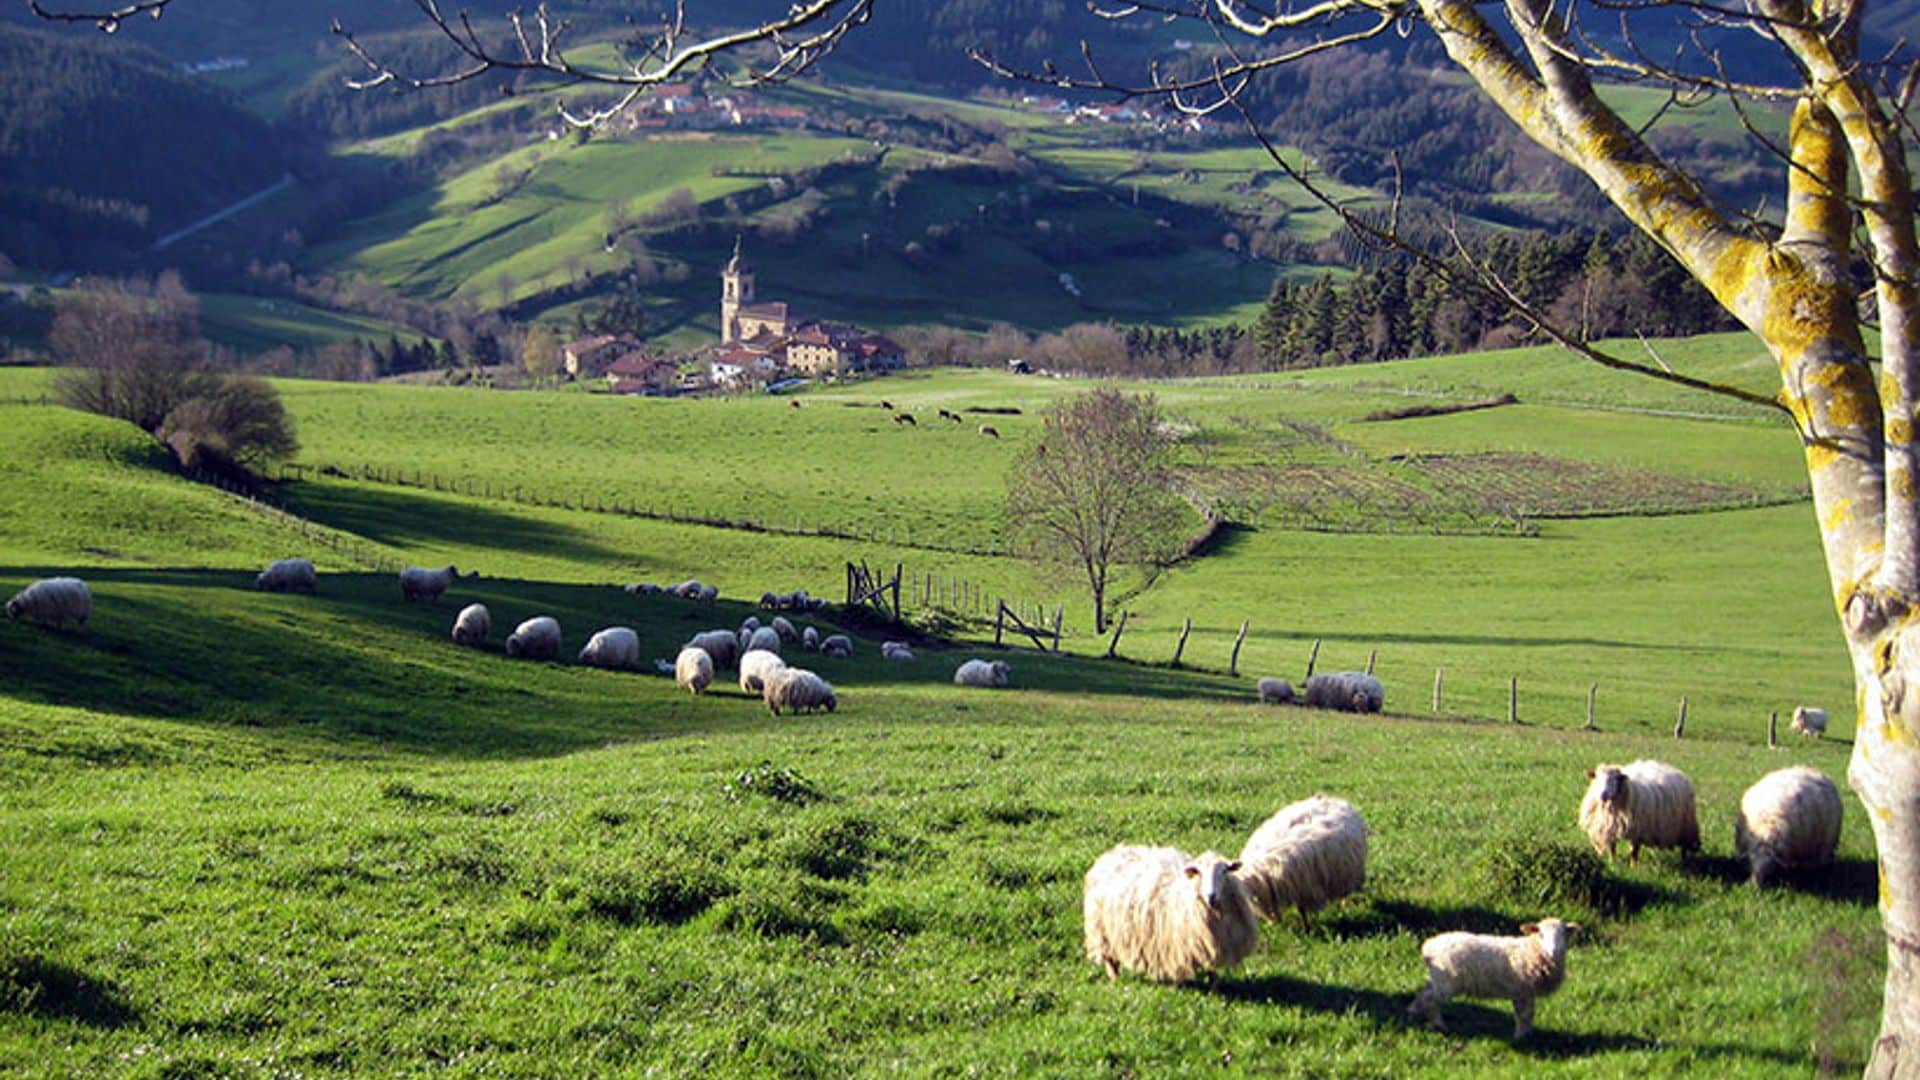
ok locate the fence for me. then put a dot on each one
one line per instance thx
(348, 547)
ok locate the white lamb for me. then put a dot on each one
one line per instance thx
(1345, 691)
(693, 670)
(837, 645)
(417, 583)
(536, 639)
(992, 675)
(53, 601)
(788, 634)
(755, 667)
(1647, 803)
(287, 575)
(1276, 692)
(1809, 721)
(797, 690)
(810, 639)
(1305, 857)
(1789, 820)
(1520, 969)
(472, 625)
(896, 650)
(615, 647)
(766, 639)
(1165, 915)
(721, 646)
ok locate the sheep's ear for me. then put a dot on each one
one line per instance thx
(1530, 928)
(1232, 866)
(1193, 871)
(1590, 774)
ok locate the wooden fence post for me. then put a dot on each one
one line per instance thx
(1119, 628)
(1181, 645)
(1680, 725)
(1059, 613)
(1313, 657)
(1513, 699)
(1372, 655)
(898, 569)
(1593, 691)
(999, 622)
(1773, 730)
(1233, 662)
(1436, 691)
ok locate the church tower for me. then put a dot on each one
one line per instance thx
(736, 291)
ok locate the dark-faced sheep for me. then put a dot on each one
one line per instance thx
(905, 418)
(989, 431)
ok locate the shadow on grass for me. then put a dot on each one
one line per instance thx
(1384, 918)
(407, 518)
(1848, 881)
(32, 985)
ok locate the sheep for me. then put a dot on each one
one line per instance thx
(989, 431)
(765, 639)
(755, 667)
(905, 418)
(810, 639)
(53, 601)
(896, 650)
(1789, 820)
(797, 690)
(1484, 966)
(689, 589)
(1345, 691)
(1809, 721)
(945, 415)
(707, 594)
(693, 670)
(1646, 803)
(837, 645)
(417, 583)
(614, 647)
(992, 675)
(769, 601)
(721, 646)
(1304, 857)
(1165, 915)
(643, 588)
(788, 635)
(956, 418)
(1276, 692)
(472, 625)
(793, 404)
(536, 639)
(750, 623)
(287, 575)
(885, 404)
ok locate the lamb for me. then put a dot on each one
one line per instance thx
(721, 646)
(1789, 820)
(1646, 803)
(755, 667)
(810, 639)
(1484, 966)
(615, 647)
(418, 583)
(896, 650)
(788, 635)
(472, 625)
(765, 639)
(693, 670)
(1276, 692)
(837, 645)
(1809, 721)
(797, 690)
(287, 575)
(1305, 857)
(536, 639)
(1346, 691)
(53, 601)
(989, 431)
(1165, 915)
(993, 676)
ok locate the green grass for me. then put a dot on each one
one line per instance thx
(254, 324)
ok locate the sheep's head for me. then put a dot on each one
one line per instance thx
(14, 607)
(513, 645)
(1213, 880)
(1553, 934)
(1002, 671)
(1612, 782)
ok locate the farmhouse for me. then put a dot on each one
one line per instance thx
(762, 340)
(639, 373)
(589, 357)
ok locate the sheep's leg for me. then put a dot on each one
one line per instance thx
(1633, 854)
(1305, 926)
(1522, 1018)
(1426, 1005)
(1113, 968)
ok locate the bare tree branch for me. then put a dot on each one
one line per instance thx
(107, 19)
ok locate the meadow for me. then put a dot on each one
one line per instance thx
(258, 834)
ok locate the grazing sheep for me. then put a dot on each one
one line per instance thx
(615, 647)
(1166, 916)
(1646, 803)
(788, 635)
(956, 418)
(905, 418)
(1809, 721)
(945, 415)
(885, 404)
(793, 404)
(690, 589)
(708, 594)
(721, 646)
(1484, 966)
(755, 667)
(53, 601)
(472, 625)
(536, 639)
(837, 645)
(895, 650)
(750, 623)
(765, 639)
(287, 575)
(1304, 857)
(769, 601)
(810, 639)
(1276, 692)
(693, 670)
(797, 690)
(1346, 691)
(418, 583)
(1789, 820)
(990, 431)
(991, 675)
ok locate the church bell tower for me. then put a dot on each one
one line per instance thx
(736, 291)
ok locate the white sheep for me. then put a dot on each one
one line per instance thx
(797, 690)
(1165, 915)
(686, 590)
(419, 583)
(992, 675)
(766, 639)
(53, 601)
(1519, 969)
(1276, 692)
(721, 646)
(1304, 857)
(1789, 820)
(896, 650)
(693, 670)
(755, 667)
(642, 588)
(1345, 691)
(536, 639)
(788, 635)
(615, 647)
(1646, 803)
(810, 639)
(472, 625)
(750, 623)
(707, 594)
(837, 645)
(1809, 721)
(769, 601)
(287, 575)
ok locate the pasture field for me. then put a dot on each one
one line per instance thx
(287, 834)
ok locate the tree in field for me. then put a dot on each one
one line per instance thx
(1096, 491)
(540, 353)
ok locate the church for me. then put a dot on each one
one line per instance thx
(762, 342)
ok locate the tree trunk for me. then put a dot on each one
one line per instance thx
(1885, 774)
(1099, 607)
